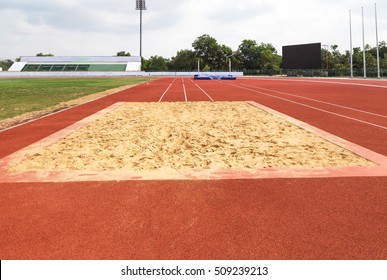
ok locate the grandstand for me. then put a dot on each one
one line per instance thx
(77, 64)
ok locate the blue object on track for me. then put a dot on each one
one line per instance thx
(214, 77)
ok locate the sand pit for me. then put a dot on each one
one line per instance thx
(194, 135)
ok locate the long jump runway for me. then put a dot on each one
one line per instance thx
(341, 217)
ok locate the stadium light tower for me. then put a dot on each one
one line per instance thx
(140, 6)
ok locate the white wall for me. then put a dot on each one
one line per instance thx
(17, 66)
(133, 66)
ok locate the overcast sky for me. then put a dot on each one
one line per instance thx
(104, 27)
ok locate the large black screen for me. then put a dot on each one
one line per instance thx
(307, 56)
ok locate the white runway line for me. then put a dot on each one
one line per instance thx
(340, 83)
(315, 108)
(204, 92)
(165, 92)
(355, 82)
(316, 100)
(185, 92)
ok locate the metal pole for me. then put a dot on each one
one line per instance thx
(229, 65)
(140, 6)
(364, 58)
(141, 30)
(377, 43)
(198, 65)
(350, 44)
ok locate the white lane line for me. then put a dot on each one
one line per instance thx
(316, 100)
(349, 83)
(341, 83)
(315, 108)
(165, 92)
(185, 91)
(204, 92)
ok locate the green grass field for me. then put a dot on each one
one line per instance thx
(24, 95)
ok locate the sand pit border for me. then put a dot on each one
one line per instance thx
(193, 174)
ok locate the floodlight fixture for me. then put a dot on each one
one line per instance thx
(140, 6)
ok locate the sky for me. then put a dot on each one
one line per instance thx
(104, 27)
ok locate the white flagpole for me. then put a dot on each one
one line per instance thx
(364, 58)
(351, 50)
(377, 43)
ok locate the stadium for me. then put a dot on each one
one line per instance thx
(103, 160)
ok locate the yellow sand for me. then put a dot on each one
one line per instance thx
(193, 135)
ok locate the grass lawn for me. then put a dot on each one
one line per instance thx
(24, 95)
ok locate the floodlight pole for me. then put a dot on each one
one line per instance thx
(140, 32)
(377, 43)
(140, 6)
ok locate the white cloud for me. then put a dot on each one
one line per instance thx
(103, 27)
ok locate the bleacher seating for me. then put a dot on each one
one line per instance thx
(73, 67)
(77, 64)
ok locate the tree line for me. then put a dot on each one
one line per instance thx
(263, 58)
(209, 55)
(252, 58)
(338, 64)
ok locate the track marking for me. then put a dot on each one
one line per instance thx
(185, 91)
(332, 104)
(315, 108)
(165, 92)
(341, 83)
(203, 91)
(354, 83)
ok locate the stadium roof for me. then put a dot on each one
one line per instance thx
(63, 59)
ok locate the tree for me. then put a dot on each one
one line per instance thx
(207, 50)
(248, 54)
(337, 62)
(383, 50)
(185, 60)
(235, 60)
(6, 64)
(42, 54)
(357, 58)
(156, 63)
(211, 54)
(123, 53)
(224, 54)
(268, 57)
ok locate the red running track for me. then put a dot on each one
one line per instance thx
(329, 218)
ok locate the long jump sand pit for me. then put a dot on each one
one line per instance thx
(192, 140)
